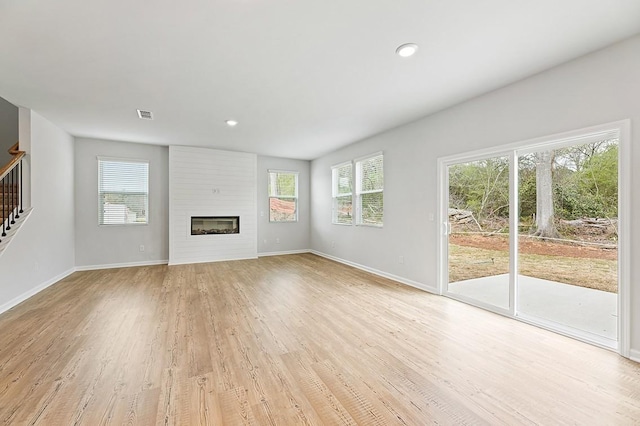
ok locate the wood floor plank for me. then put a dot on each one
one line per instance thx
(320, 397)
(204, 405)
(294, 339)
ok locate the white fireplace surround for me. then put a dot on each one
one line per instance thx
(202, 181)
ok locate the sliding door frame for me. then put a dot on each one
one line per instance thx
(619, 129)
(443, 175)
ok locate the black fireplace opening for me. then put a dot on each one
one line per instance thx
(215, 225)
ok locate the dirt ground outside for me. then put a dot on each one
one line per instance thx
(476, 256)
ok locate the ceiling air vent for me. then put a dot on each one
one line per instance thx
(145, 115)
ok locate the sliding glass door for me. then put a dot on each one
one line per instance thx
(568, 237)
(533, 232)
(478, 232)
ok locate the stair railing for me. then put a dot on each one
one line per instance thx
(11, 189)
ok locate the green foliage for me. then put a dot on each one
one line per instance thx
(372, 174)
(282, 184)
(585, 184)
(589, 188)
(599, 177)
(527, 194)
(372, 208)
(571, 203)
(481, 187)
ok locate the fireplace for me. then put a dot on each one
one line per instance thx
(214, 225)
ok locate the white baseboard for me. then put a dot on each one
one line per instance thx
(634, 355)
(191, 262)
(383, 274)
(282, 253)
(24, 296)
(121, 265)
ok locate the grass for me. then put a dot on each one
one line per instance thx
(471, 262)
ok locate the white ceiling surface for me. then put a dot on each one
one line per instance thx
(303, 78)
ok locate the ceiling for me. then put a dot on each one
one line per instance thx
(303, 78)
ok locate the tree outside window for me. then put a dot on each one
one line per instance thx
(283, 196)
(342, 177)
(370, 190)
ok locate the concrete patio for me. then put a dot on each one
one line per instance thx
(585, 309)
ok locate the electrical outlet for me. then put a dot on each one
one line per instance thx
(333, 244)
(141, 248)
(401, 260)
(277, 240)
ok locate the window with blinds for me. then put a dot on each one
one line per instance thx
(370, 190)
(283, 196)
(342, 181)
(123, 191)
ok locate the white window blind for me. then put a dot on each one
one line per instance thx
(123, 192)
(283, 196)
(370, 190)
(342, 181)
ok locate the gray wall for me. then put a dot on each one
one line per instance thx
(119, 245)
(599, 88)
(42, 252)
(8, 129)
(292, 236)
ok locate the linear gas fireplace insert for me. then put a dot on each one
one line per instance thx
(213, 225)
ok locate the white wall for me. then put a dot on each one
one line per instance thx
(107, 246)
(42, 252)
(8, 129)
(599, 88)
(209, 182)
(293, 236)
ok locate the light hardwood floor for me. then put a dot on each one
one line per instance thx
(290, 340)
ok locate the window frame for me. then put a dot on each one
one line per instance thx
(294, 197)
(335, 195)
(359, 192)
(101, 159)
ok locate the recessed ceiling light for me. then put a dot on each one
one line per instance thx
(231, 123)
(407, 49)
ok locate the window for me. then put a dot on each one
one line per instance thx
(342, 177)
(123, 192)
(283, 196)
(369, 190)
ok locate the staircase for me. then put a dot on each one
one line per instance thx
(11, 208)
(8, 196)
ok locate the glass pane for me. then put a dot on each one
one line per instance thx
(372, 208)
(372, 174)
(344, 178)
(283, 209)
(119, 208)
(343, 210)
(123, 176)
(568, 254)
(282, 184)
(479, 237)
(123, 189)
